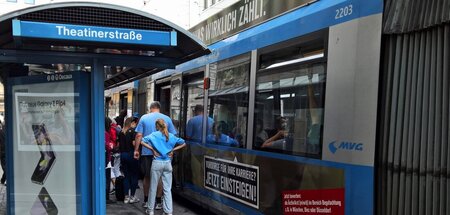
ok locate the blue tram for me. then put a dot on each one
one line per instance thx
(281, 116)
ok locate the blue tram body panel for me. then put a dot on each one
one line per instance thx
(336, 170)
(314, 17)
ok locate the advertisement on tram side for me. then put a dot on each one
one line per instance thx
(232, 179)
(261, 182)
(324, 201)
(242, 15)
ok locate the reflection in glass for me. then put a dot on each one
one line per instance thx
(228, 101)
(289, 109)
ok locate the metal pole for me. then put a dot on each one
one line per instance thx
(98, 138)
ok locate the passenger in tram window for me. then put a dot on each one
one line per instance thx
(162, 144)
(260, 133)
(218, 136)
(194, 128)
(145, 127)
(280, 138)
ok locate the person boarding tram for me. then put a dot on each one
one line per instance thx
(145, 127)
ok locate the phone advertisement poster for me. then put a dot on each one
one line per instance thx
(45, 141)
(45, 118)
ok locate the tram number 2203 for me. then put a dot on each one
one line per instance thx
(344, 11)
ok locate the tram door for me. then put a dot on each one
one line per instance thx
(164, 98)
(123, 100)
(192, 95)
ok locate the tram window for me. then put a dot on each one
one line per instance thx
(194, 113)
(228, 101)
(289, 108)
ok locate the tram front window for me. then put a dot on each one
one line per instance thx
(228, 102)
(289, 109)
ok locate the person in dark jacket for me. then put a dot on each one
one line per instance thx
(129, 165)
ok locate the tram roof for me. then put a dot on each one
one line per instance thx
(139, 60)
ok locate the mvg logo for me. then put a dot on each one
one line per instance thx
(344, 145)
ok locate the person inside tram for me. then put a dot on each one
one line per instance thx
(194, 127)
(218, 136)
(280, 135)
(261, 134)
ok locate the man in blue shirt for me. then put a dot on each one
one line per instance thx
(145, 127)
(194, 127)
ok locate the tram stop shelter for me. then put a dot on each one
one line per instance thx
(56, 60)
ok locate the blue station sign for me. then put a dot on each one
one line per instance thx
(93, 33)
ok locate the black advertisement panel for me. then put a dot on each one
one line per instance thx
(241, 15)
(232, 179)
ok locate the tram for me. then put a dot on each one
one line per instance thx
(281, 116)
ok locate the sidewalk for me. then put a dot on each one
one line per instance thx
(119, 207)
(179, 206)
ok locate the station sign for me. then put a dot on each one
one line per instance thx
(43, 30)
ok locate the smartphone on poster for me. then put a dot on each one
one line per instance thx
(47, 158)
(44, 204)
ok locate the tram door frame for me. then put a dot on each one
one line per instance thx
(189, 78)
(176, 104)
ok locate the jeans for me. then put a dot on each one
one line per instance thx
(161, 169)
(130, 168)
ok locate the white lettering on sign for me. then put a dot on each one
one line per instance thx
(105, 34)
(59, 77)
(250, 11)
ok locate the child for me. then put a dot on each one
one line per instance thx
(162, 145)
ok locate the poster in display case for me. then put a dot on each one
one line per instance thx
(46, 144)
